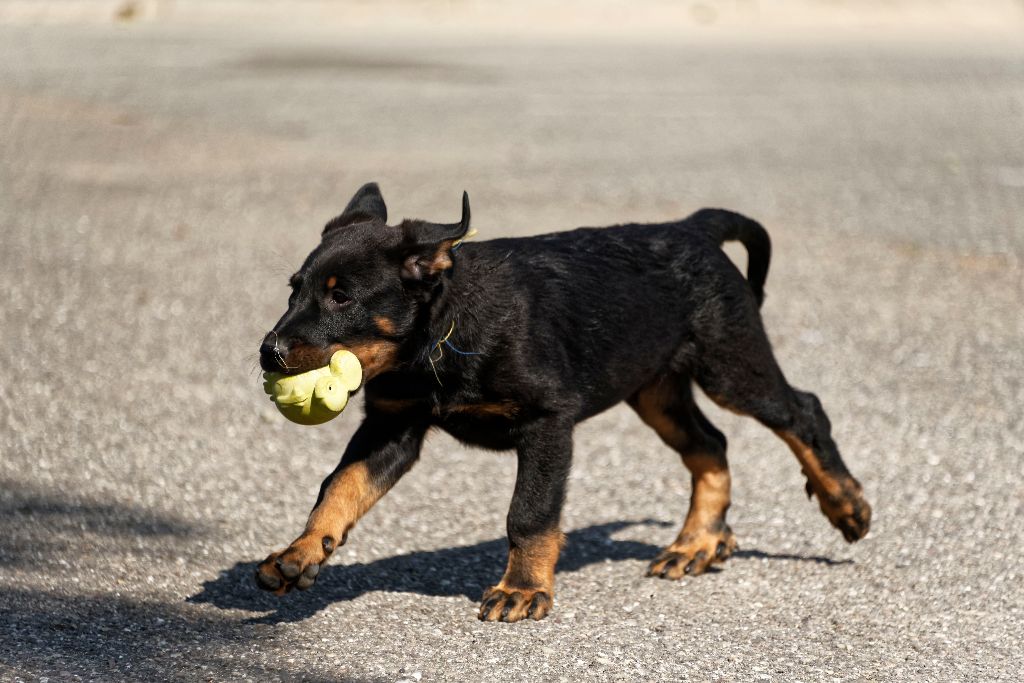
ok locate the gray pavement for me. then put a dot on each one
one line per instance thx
(159, 183)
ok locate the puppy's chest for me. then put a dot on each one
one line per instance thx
(484, 421)
(485, 424)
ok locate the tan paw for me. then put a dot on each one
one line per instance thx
(692, 554)
(845, 506)
(295, 567)
(514, 604)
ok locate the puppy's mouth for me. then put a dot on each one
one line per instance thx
(297, 359)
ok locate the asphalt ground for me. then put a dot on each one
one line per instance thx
(159, 183)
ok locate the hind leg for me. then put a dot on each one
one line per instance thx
(667, 406)
(742, 376)
(840, 495)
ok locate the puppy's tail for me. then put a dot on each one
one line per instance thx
(725, 226)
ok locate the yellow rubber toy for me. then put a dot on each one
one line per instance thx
(316, 396)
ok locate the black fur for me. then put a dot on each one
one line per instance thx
(548, 331)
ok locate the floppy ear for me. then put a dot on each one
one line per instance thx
(427, 247)
(366, 205)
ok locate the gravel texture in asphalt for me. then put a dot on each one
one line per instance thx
(158, 184)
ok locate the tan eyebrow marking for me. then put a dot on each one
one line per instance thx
(331, 281)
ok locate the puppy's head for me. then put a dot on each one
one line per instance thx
(362, 288)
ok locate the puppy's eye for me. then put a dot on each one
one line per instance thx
(340, 298)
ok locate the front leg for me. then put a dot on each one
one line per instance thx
(528, 587)
(380, 452)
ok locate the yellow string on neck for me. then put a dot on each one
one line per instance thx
(437, 346)
(440, 352)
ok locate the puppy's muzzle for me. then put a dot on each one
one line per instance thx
(273, 351)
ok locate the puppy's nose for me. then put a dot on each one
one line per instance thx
(272, 352)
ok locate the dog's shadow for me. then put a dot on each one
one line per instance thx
(462, 570)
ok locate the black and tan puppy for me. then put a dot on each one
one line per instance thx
(508, 343)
